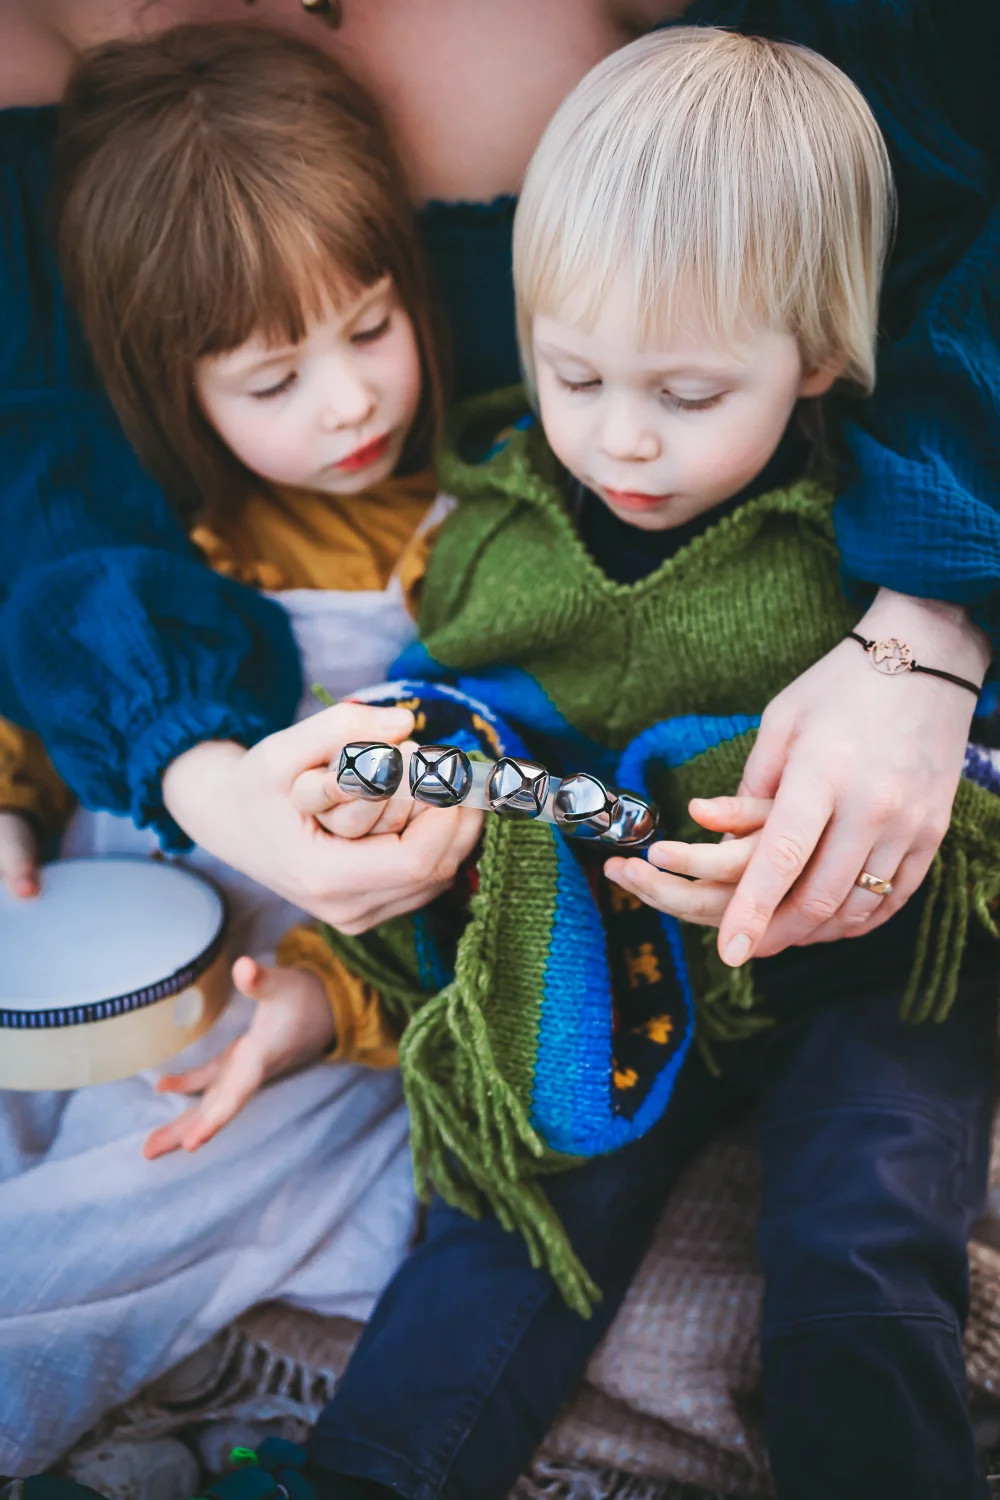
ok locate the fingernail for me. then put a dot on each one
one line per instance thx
(737, 950)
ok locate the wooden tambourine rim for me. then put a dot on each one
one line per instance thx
(121, 1005)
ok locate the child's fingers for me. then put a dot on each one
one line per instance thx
(316, 791)
(353, 818)
(730, 814)
(293, 1022)
(18, 856)
(319, 739)
(433, 847)
(723, 862)
(700, 901)
(167, 1138)
(400, 810)
(236, 1085)
(257, 981)
(398, 813)
(195, 1080)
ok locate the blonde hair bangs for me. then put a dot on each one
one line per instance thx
(736, 181)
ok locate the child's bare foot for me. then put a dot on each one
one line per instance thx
(18, 856)
(292, 1026)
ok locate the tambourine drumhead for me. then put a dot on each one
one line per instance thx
(117, 966)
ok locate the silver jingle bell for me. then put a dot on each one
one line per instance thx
(517, 788)
(370, 770)
(634, 824)
(583, 806)
(440, 775)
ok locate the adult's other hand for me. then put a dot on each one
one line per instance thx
(238, 805)
(863, 770)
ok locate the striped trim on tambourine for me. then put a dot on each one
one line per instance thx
(119, 1005)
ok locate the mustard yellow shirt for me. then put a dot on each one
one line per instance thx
(298, 539)
(29, 784)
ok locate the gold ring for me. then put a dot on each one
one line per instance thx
(872, 883)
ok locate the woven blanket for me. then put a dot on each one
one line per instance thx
(672, 1393)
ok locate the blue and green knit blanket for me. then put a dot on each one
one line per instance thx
(545, 1015)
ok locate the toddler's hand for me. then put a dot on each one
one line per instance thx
(18, 855)
(292, 1026)
(713, 871)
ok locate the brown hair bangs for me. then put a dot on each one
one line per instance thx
(215, 182)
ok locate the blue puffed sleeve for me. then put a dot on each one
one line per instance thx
(119, 646)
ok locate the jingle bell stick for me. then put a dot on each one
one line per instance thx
(581, 806)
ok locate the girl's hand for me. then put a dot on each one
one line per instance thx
(317, 792)
(18, 856)
(712, 870)
(238, 804)
(863, 770)
(292, 1026)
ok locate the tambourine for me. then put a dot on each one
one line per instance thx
(117, 966)
(444, 776)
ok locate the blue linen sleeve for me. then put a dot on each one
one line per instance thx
(119, 646)
(921, 510)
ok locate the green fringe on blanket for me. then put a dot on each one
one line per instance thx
(470, 1135)
(964, 882)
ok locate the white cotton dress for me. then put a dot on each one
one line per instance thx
(114, 1268)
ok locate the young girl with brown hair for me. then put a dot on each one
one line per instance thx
(237, 238)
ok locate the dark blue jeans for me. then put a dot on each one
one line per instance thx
(874, 1140)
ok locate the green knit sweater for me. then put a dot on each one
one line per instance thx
(719, 628)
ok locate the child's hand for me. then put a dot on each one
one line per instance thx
(18, 855)
(292, 1026)
(713, 870)
(420, 848)
(317, 792)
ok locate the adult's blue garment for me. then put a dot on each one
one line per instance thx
(920, 506)
(122, 649)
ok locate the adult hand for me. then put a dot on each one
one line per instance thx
(238, 805)
(863, 770)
